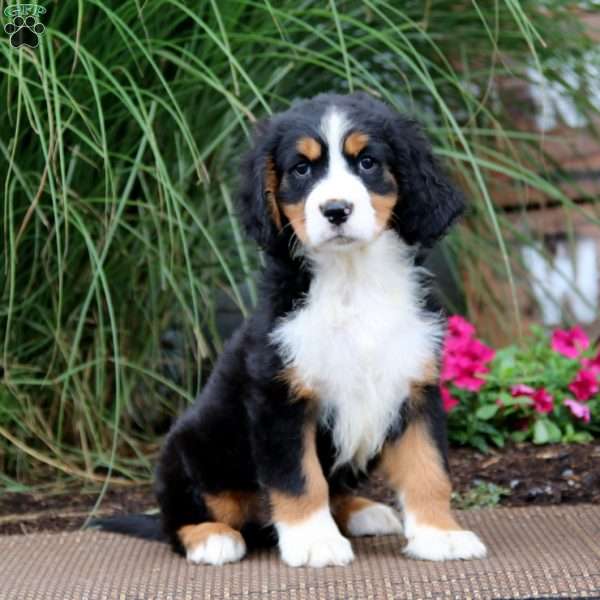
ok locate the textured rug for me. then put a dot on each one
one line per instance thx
(551, 552)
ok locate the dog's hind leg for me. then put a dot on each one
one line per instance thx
(206, 528)
(357, 516)
(206, 500)
(220, 540)
(212, 543)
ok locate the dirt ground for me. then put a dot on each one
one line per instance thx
(554, 474)
(529, 475)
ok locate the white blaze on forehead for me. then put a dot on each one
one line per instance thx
(335, 126)
(339, 183)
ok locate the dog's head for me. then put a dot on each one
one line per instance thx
(336, 171)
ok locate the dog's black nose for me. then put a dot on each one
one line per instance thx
(336, 211)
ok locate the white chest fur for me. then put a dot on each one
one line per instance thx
(359, 342)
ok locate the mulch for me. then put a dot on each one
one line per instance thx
(535, 475)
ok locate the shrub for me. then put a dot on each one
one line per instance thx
(546, 391)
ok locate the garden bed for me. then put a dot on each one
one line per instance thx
(553, 474)
(520, 475)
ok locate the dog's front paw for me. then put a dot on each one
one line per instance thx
(318, 552)
(315, 542)
(429, 543)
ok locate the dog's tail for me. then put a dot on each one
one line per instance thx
(147, 527)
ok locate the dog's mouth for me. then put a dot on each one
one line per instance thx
(340, 241)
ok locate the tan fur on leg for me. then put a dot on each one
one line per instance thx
(291, 508)
(308, 535)
(413, 466)
(234, 508)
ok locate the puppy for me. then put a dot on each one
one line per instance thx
(335, 375)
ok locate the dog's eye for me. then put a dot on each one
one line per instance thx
(367, 163)
(302, 169)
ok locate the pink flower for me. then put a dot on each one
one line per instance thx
(592, 364)
(570, 342)
(465, 357)
(543, 402)
(459, 327)
(521, 390)
(585, 384)
(579, 410)
(469, 382)
(448, 400)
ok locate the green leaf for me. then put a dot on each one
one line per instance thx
(554, 433)
(498, 439)
(519, 436)
(483, 495)
(517, 401)
(540, 432)
(538, 332)
(486, 412)
(582, 437)
(479, 442)
(485, 427)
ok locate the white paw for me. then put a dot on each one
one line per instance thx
(319, 552)
(218, 549)
(315, 542)
(377, 519)
(429, 543)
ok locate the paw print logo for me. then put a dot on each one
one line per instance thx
(24, 31)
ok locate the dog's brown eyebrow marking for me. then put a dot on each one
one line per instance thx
(355, 143)
(309, 147)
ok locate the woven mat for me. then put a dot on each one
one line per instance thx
(551, 552)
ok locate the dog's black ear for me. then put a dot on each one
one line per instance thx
(257, 202)
(428, 202)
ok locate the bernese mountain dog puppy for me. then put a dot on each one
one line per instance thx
(335, 375)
